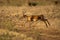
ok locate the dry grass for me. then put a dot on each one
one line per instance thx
(24, 2)
(14, 28)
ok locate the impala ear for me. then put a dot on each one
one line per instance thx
(24, 11)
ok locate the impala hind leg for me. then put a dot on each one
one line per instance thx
(45, 23)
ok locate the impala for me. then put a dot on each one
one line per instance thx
(36, 18)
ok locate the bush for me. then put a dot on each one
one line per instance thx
(32, 3)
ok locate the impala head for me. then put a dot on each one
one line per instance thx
(24, 13)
